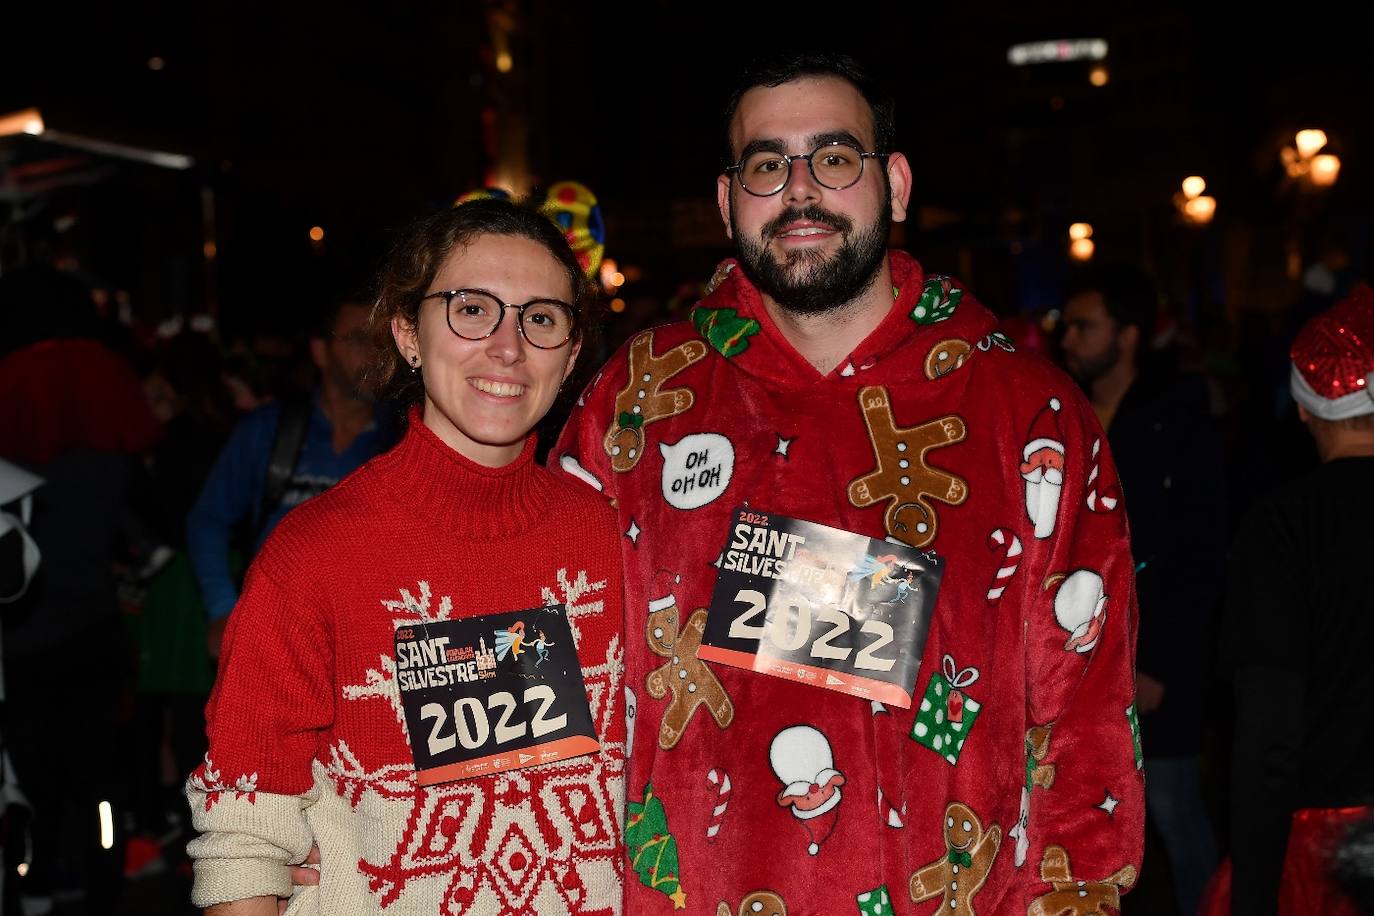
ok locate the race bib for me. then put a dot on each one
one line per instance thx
(488, 694)
(822, 606)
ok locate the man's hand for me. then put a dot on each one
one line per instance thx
(1149, 693)
(302, 876)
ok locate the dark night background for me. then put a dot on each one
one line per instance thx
(358, 118)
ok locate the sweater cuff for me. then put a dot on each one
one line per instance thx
(246, 844)
(224, 880)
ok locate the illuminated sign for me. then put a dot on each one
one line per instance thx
(1060, 51)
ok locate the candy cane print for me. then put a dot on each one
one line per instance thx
(722, 779)
(1011, 559)
(1109, 497)
(891, 815)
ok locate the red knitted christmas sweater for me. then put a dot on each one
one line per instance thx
(1012, 782)
(308, 741)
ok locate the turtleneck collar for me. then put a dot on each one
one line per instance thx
(455, 495)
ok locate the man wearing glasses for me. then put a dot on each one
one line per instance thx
(284, 453)
(797, 756)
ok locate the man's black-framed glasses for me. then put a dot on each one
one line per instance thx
(835, 165)
(475, 314)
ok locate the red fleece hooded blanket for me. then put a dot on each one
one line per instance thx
(1012, 784)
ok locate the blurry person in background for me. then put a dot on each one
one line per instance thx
(284, 453)
(187, 392)
(73, 412)
(1298, 636)
(1169, 458)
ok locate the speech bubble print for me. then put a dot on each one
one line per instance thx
(697, 469)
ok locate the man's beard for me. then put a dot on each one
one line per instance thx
(809, 282)
(1087, 370)
(355, 387)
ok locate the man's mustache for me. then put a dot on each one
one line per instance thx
(814, 213)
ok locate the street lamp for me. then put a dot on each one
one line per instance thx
(1081, 245)
(30, 121)
(1195, 207)
(1305, 159)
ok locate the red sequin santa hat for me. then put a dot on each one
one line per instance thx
(1333, 360)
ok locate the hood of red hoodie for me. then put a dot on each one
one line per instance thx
(926, 309)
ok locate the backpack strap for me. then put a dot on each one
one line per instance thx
(292, 425)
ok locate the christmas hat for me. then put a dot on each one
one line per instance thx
(1333, 360)
(1044, 431)
(662, 591)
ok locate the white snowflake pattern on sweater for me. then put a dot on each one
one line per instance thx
(207, 779)
(516, 835)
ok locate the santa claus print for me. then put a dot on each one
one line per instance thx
(802, 761)
(1042, 468)
(1080, 607)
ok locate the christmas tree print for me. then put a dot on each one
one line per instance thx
(653, 850)
(724, 329)
(875, 902)
(938, 300)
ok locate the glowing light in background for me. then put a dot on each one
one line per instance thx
(1201, 209)
(106, 826)
(1309, 142)
(1325, 169)
(27, 121)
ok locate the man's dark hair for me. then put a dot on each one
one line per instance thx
(777, 69)
(326, 313)
(1127, 292)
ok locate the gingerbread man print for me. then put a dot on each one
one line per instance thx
(1038, 773)
(946, 356)
(643, 400)
(960, 873)
(1077, 898)
(759, 903)
(685, 676)
(903, 477)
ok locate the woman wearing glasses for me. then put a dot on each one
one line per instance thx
(371, 700)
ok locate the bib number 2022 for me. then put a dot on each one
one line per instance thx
(472, 725)
(789, 627)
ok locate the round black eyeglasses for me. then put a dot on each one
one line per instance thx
(835, 165)
(475, 314)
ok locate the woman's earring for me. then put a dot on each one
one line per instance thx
(414, 364)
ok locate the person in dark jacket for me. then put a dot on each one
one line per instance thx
(1169, 459)
(1296, 643)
